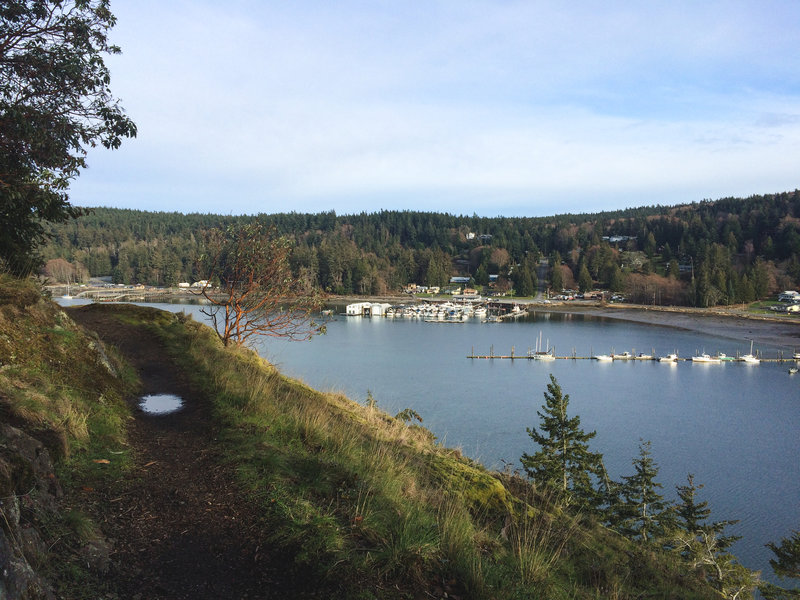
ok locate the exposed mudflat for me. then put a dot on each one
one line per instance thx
(731, 323)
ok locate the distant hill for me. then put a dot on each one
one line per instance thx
(726, 251)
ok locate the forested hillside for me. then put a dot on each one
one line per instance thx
(713, 252)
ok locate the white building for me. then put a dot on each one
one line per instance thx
(367, 309)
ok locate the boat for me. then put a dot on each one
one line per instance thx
(602, 357)
(792, 370)
(67, 295)
(540, 354)
(750, 358)
(796, 355)
(643, 356)
(623, 356)
(669, 358)
(705, 358)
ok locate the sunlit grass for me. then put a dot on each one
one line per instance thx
(375, 504)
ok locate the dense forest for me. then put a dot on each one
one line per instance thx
(727, 251)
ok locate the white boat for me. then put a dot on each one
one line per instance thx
(603, 357)
(792, 370)
(643, 356)
(480, 312)
(669, 358)
(540, 354)
(706, 358)
(622, 356)
(750, 358)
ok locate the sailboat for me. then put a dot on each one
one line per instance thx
(543, 354)
(750, 358)
(67, 295)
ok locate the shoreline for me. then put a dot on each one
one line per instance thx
(732, 323)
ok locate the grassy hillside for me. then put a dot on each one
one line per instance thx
(62, 388)
(375, 507)
(378, 506)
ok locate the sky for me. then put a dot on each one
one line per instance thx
(508, 108)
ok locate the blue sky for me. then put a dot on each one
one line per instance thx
(495, 108)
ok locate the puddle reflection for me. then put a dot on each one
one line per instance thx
(160, 404)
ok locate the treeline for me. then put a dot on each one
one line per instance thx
(707, 253)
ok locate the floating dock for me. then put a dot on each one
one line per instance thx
(530, 355)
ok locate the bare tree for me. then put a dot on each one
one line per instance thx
(257, 293)
(59, 270)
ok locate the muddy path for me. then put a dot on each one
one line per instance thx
(179, 526)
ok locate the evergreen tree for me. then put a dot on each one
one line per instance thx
(703, 545)
(556, 276)
(523, 282)
(786, 564)
(563, 461)
(584, 280)
(689, 512)
(642, 513)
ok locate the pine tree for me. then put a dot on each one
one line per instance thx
(642, 513)
(584, 280)
(785, 564)
(702, 544)
(563, 462)
(524, 282)
(690, 513)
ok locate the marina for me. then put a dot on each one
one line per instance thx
(439, 312)
(627, 356)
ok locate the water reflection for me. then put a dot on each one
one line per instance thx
(160, 404)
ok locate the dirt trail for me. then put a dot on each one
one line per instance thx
(179, 527)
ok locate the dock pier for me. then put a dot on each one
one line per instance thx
(530, 355)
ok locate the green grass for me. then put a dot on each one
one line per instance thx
(58, 387)
(376, 507)
(374, 504)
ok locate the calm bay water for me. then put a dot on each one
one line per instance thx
(735, 426)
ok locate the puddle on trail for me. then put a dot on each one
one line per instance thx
(160, 404)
